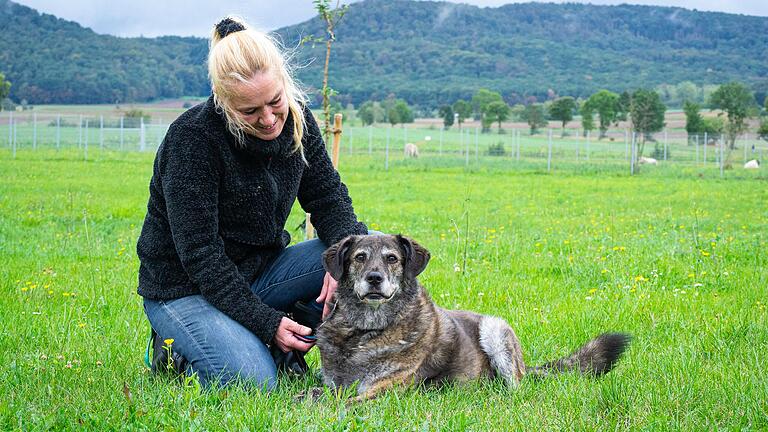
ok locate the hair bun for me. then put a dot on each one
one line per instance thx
(227, 26)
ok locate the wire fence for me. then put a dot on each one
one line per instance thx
(552, 149)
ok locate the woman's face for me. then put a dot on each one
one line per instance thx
(261, 102)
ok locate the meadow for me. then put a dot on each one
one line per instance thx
(676, 256)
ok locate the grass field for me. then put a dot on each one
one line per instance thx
(675, 256)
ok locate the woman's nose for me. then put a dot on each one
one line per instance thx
(267, 118)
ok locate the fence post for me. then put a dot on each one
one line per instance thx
(386, 150)
(626, 144)
(549, 153)
(121, 132)
(517, 155)
(632, 156)
(666, 137)
(589, 140)
(466, 150)
(13, 127)
(142, 136)
(34, 131)
(370, 140)
(351, 136)
(58, 131)
(80, 133)
(441, 141)
(705, 148)
(746, 141)
(101, 132)
(722, 155)
(477, 144)
(10, 129)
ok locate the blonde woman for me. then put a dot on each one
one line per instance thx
(216, 275)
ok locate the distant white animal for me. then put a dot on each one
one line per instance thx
(648, 161)
(411, 150)
(753, 164)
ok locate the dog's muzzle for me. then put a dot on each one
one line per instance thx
(374, 294)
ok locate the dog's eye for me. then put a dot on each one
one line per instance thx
(392, 259)
(360, 257)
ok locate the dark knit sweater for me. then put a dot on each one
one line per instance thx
(216, 212)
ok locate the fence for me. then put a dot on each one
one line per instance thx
(55, 131)
(468, 146)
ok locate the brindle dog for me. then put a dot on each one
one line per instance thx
(385, 330)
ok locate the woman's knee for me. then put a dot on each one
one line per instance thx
(249, 367)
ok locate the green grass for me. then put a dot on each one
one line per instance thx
(676, 257)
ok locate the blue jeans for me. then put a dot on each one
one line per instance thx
(218, 348)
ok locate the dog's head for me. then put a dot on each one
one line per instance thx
(375, 267)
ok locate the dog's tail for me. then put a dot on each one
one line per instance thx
(498, 341)
(596, 357)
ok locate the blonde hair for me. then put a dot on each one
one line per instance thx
(234, 59)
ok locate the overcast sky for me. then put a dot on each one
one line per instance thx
(195, 17)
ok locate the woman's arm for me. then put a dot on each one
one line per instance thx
(189, 178)
(322, 193)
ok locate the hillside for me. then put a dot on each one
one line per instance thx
(425, 52)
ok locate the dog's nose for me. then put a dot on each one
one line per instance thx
(374, 278)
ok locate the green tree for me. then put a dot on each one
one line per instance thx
(736, 101)
(762, 131)
(331, 17)
(366, 113)
(496, 111)
(694, 122)
(5, 88)
(463, 109)
(605, 103)
(587, 117)
(623, 106)
(446, 112)
(480, 101)
(400, 113)
(534, 116)
(647, 113)
(562, 110)
(688, 91)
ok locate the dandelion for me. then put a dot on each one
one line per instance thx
(640, 278)
(593, 290)
(168, 341)
(81, 325)
(604, 271)
(705, 253)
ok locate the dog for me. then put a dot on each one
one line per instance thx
(384, 330)
(647, 161)
(411, 150)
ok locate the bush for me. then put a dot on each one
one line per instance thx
(658, 151)
(496, 149)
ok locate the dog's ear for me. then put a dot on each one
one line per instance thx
(416, 256)
(335, 256)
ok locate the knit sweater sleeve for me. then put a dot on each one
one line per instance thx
(190, 174)
(322, 193)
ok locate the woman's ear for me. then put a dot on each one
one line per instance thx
(416, 256)
(334, 257)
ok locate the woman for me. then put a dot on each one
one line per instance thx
(215, 272)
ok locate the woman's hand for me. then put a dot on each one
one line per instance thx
(286, 339)
(326, 294)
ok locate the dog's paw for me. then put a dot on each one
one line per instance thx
(310, 395)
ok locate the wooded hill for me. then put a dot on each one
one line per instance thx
(427, 53)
